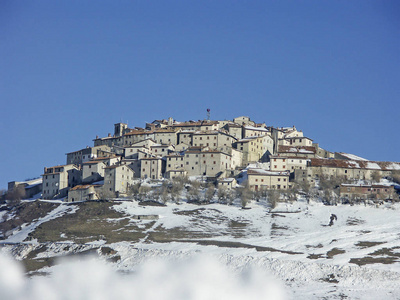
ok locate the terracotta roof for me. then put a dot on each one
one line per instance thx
(233, 125)
(352, 164)
(93, 162)
(367, 185)
(164, 130)
(205, 132)
(288, 157)
(138, 132)
(81, 187)
(55, 173)
(296, 137)
(249, 139)
(151, 158)
(194, 123)
(105, 138)
(266, 172)
(298, 149)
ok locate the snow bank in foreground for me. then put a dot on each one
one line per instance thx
(200, 277)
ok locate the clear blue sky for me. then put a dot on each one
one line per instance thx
(71, 69)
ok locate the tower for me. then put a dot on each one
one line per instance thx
(119, 129)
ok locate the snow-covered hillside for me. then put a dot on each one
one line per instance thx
(291, 248)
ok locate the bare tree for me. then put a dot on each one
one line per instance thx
(156, 195)
(133, 190)
(222, 194)
(273, 198)
(244, 194)
(230, 196)
(256, 195)
(330, 188)
(143, 192)
(105, 194)
(210, 191)
(3, 195)
(16, 194)
(395, 176)
(304, 186)
(376, 176)
(176, 189)
(194, 191)
(165, 196)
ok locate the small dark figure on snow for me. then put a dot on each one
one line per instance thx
(333, 218)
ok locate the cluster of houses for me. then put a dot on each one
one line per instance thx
(216, 151)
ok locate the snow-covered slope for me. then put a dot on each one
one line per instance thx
(292, 246)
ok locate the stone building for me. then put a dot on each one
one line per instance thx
(117, 179)
(58, 180)
(259, 179)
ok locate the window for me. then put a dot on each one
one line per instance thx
(169, 165)
(214, 162)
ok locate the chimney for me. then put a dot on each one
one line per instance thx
(109, 135)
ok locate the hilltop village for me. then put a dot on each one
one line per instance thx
(223, 153)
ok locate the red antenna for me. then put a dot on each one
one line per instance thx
(208, 114)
